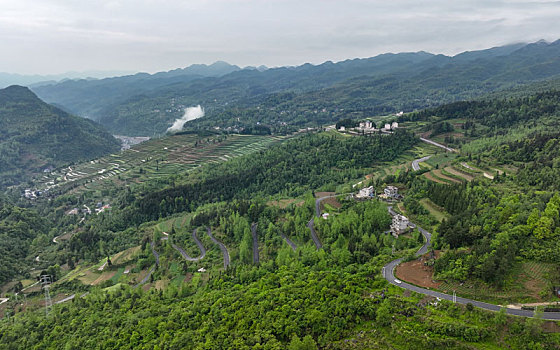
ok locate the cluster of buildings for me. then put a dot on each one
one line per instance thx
(400, 223)
(369, 127)
(32, 194)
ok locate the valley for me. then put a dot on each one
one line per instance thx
(290, 217)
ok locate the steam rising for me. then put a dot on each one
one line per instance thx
(191, 113)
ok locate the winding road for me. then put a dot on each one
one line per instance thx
(221, 245)
(145, 279)
(416, 162)
(255, 243)
(184, 253)
(310, 225)
(389, 269)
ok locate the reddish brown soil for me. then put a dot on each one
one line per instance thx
(417, 273)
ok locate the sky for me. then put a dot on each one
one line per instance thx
(56, 36)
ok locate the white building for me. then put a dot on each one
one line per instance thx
(399, 225)
(342, 128)
(387, 126)
(391, 191)
(394, 125)
(366, 192)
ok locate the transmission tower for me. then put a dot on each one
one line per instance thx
(46, 281)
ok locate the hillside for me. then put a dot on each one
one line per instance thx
(309, 94)
(87, 98)
(36, 136)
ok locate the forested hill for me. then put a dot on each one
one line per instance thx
(87, 97)
(313, 94)
(36, 135)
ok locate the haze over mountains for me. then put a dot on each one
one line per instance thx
(145, 105)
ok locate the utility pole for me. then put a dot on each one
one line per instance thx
(46, 281)
(454, 297)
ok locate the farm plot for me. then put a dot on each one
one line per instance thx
(157, 158)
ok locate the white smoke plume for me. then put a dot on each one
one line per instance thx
(191, 113)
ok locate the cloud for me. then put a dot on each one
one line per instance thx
(191, 113)
(155, 35)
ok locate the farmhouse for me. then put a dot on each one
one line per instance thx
(391, 192)
(399, 225)
(366, 192)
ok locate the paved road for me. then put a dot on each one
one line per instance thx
(255, 243)
(438, 145)
(198, 243)
(318, 214)
(314, 237)
(152, 269)
(221, 245)
(389, 269)
(289, 241)
(416, 162)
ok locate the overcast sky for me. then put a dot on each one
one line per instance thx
(55, 36)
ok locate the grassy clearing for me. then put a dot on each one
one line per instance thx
(438, 212)
(457, 172)
(525, 284)
(439, 174)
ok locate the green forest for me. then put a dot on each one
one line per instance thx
(273, 248)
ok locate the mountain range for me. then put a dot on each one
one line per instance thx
(145, 105)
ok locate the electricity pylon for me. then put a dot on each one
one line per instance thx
(46, 281)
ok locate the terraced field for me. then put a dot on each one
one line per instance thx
(154, 159)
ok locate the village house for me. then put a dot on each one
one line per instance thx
(399, 225)
(391, 192)
(366, 192)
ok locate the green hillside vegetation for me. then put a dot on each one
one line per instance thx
(36, 135)
(495, 240)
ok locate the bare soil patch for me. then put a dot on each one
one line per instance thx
(417, 273)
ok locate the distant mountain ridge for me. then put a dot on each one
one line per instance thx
(87, 97)
(36, 136)
(381, 84)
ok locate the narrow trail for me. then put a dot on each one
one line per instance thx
(184, 253)
(221, 245)
(255, 243)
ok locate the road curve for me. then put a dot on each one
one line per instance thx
(184, 253)
(255, 243)
(221, 245)
(388, 274)
(416, 162)
(310, 225)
